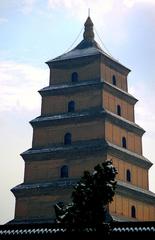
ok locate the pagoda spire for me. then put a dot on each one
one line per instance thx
(88, 31)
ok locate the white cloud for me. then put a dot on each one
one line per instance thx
(98, 7)
(80, 8)
(20, 103)
(104, 14)
(19, 84)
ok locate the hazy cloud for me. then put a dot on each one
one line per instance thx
(105, 14)
(20, 103)
(19, 83)
(80, 8)
(98, 7)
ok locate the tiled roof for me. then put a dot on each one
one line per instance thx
(87, 47)
(137, 193)
(54, 89)
(90, 113)
(30, 231)
(139, 158)
(134, 229)
(89, 146)
(45, 188)
(22, 230)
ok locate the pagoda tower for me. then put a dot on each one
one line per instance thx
(87, 116)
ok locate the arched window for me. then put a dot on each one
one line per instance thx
(119, 110)
(123, 142)
(133, 212)
(114, 80)
(67, 138)
(71, 106)
(128, 175)
(64, 171)
(74, 77)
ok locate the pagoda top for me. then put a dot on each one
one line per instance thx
(87, 47)
(88, 32)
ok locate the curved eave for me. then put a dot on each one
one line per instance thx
(88, 52)
(119, 92)
(43, 188)
(47, 188)
(65, 118)
(124, 123)
(75, 54)
(89, 115)
(70, 87)
(98, 83)
(128, 156)
(114, 64)
(129, 190)
(60, 150)
(85, 148)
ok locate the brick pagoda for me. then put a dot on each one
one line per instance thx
(87, 116)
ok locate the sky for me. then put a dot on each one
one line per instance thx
(34, 31)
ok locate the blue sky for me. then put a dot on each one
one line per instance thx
(34, 31)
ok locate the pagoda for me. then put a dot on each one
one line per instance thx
(87, 116)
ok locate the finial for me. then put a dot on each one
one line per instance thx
(88, 32)
(88, 12)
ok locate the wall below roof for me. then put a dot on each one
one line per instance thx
(122, 206)
(87, 71)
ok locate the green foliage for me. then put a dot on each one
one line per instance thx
(90, 198)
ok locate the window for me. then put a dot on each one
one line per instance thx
(133, 212)
(114, 80)
(74, 77)
(71, 106)
(67, 138)
(119, 110)
(128, 175)
(123, 142)
(64, 171)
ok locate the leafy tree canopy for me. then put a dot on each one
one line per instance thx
(90, 198)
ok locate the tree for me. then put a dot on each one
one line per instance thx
(90, 198)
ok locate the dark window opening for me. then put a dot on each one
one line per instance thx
(128, 175)
(74, 77)
(67, 138)
(133, 212)
(119, 110)
(123, 142)
(71, 106)
(114, 80)
(64, 171)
